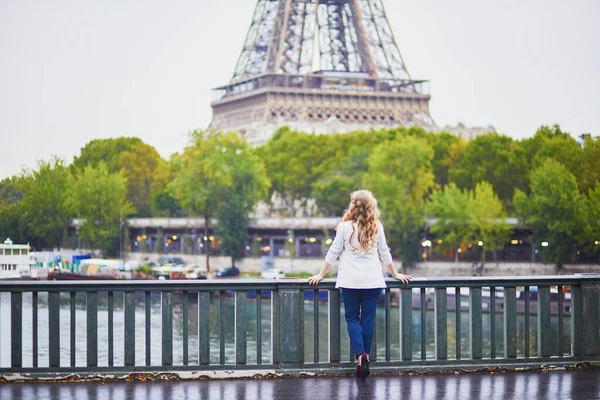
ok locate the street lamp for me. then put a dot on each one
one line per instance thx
(121, 235)
(426, 243)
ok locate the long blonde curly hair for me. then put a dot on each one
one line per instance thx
(364, 212)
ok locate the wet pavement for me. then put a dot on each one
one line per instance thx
(571, 384)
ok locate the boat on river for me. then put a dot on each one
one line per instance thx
(16, 262)
(90, 269)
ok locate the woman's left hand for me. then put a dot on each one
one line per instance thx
(314, 280)
(403, 278)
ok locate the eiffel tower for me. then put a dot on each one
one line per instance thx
(319, 66)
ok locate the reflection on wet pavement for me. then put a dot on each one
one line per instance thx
(572, 384)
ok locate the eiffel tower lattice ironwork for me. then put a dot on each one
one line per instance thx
(319, 66)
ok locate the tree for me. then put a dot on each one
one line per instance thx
(249, 184)
(450, 209)
(44, 200)
(553, 210)
(233, 228)
(400, 176)
(589, 238)
(145, 172)
(292, 160)
(98, 199)
(564, 149)
(487, 218)
(165, 205)
(331, 190)
(202, 176)
(590, 168)
(13, 219)
(106, 151)
(548, 142)
(487, 158)
(447, 149)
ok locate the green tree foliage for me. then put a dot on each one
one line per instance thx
(331, 190)
(165, 205)
(400, 176)
(589, 238)
(554, 211)
(488, 218)
(44, 202)
(203, 176)
(145, 172)
(249, 183)
(590, 173)
(564, 149)
(13, 219)
(233, 228)
(450, 209)
(98, 198)
(487, 158)
(11, 191)
(292, 161)
(105, 151)
(343, 166)
(548, 142)
(447, 149)
(140, 164)
(206, 173)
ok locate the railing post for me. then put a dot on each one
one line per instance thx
(240, 327)
(92, 329)
(167, 328)
(203, 327)
(111, 302)
(589, 319)
(185, 321)
(275, 328)
(510, 322)
(54, 328)
(441, 324)
(576, 314)
(544, 331)
(147, 328)
(129, 328)
(291, 328)
(406, 324)
(475, 323)
(334, 326)
(16, 329)
(34, 310)
(73, 327)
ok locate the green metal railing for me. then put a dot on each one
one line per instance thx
(562, 302)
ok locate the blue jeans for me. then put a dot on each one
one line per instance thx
(360, 306)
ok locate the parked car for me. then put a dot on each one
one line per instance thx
(195, 272)
(231, 272)
(272, 273)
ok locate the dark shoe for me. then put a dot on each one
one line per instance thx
(359, 367)
(365, 363)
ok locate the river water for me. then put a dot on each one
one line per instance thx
(228, 322)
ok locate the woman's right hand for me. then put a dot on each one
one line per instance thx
(314, 280)
(403, 278)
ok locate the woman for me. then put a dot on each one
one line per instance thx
(361, 246)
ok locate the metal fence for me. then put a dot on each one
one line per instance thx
(563, 311)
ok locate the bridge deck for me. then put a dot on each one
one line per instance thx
(570, 384)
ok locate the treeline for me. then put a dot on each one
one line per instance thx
(548, 181)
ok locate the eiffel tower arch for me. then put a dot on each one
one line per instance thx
(319, 66)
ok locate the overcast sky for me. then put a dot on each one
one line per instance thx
(76, 70)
